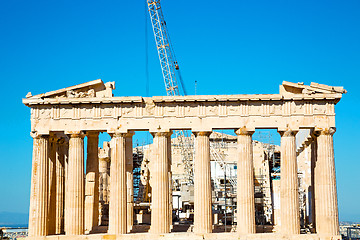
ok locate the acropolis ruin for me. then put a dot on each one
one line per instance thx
(69, 188)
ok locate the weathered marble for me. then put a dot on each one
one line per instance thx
(245, 183)
(58, 188)
(117, 210)
(202, 184)
(160, 181)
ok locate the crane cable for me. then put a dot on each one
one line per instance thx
(176, 64)
(147, 82)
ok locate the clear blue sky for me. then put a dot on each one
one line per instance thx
(229, 47)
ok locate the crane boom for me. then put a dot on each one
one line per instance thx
(166, 54)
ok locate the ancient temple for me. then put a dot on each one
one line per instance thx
(65, 193)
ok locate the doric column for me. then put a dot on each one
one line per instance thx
(60, 185)
(170, 182)
(92, 182)
(75, 185)
(202, 184)
(245, 183)
(326, 206)
(66, 161)
(52, 184)
(129, 181)
(39, 187)
(160, 183)
(289, 196)
(117, 209)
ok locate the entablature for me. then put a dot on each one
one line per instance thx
(306, 109)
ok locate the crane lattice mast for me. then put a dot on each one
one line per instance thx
(165, 51)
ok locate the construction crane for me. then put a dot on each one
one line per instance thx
(169, 68)
(168, 62)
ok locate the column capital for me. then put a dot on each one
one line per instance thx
(121, 134)
(326, 131)
(75, 134)
(202, 133)
(53, 137)
(117, 134)
(244, 131)
(164, 134)
(92, 133)
(130, 134)
(37, 135)
(288, 133)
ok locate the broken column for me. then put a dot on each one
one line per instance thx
(104, 172)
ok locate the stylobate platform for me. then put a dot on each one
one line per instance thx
(192, 236)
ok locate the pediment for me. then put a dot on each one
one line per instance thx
(92, 89)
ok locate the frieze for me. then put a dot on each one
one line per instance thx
(313, 110)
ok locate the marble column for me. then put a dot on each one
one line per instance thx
(289, 195)
(245, 183)
(75, 185)
(52, 184)
(60, 186)
(117, 209)
(129, 181)
(170, 182)
(326, 206)
(160, 183)
(92, 182)
(66, 161)
(202, 184)
(39, 187)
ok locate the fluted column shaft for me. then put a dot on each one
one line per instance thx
(66, 160)
(75, 186)
(92, 182)
(160, 182)
(170, 182)
(245, 183)
(117, 210)
(202, 184)
(326, 205)
(129, 181)
(60, 185)
(52, 184)
(39, 188)
(289, 196)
